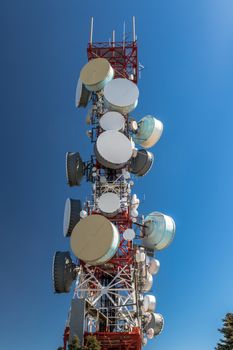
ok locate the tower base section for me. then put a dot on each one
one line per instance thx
(118, 340)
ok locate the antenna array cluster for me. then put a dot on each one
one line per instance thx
(113, 245)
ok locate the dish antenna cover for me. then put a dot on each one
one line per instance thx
(142, 163)
(72, 211)
(121, 95)
(74, 168)
(96, 74)
(156, 322)
(63, 272)
(82, 95)
(153, 265)
(109, 203)
(159, 231)
(129, 234)
(149, 303)
(149, 131)
(112, 121)
(147, 282)
(113, 149)
(95, 240)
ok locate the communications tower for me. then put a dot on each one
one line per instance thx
(113, 245)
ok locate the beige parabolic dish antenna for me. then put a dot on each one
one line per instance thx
(121, 95)
(96, 74)
(95, 240)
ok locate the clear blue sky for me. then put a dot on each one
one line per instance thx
(187, 50)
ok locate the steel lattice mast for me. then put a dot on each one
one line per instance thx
(109, 299)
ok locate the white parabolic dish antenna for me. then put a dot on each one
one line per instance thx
(154, 265)
(129, 234)
(109, 203)
(112, 121)
(113, 149)
(121, 95)
(149, 303)
(148, 282)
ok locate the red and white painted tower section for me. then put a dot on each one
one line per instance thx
(113, 244)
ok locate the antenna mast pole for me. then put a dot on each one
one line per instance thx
(113, 38)
(91, 31)
(134, 31)
(124, 35)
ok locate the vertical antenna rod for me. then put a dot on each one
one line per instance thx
(124, 35)
(134, 32)
(113, 41)
(91, 32)
(113, 38)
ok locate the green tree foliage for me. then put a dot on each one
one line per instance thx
(75, 345)
(92, 343)
(227, 330)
